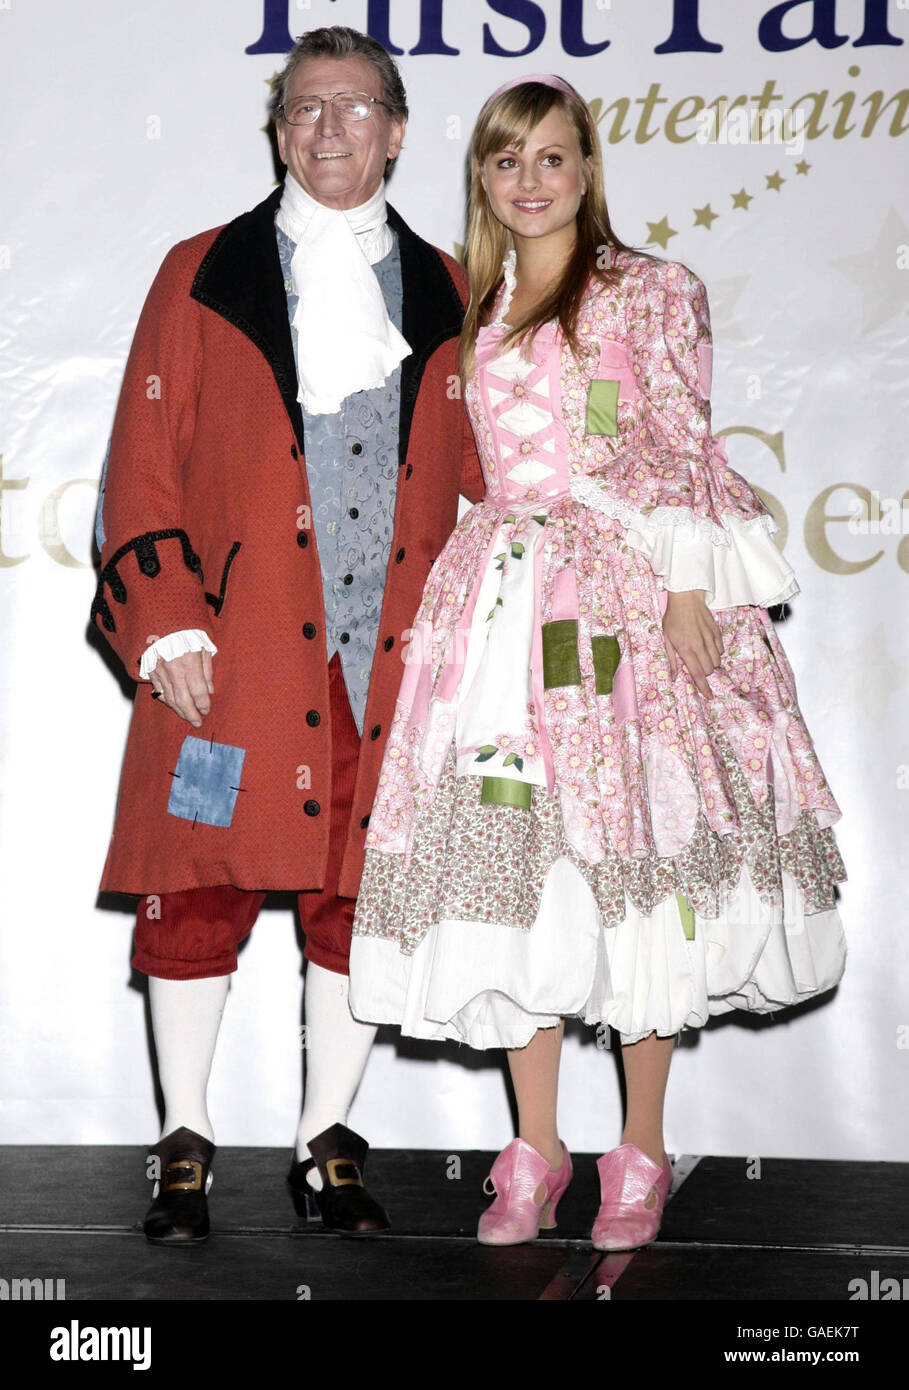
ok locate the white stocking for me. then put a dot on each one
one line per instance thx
(337, 1046)
(186, 1015)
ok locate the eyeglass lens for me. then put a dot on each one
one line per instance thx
(350, 106)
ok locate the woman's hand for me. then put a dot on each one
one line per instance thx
(690, 631)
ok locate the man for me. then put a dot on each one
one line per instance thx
(285, 465)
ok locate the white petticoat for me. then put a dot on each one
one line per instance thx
(492, 985)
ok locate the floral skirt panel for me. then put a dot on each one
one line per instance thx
(562, 829)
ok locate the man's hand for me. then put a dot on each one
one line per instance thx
(690, 631)
(186, 685)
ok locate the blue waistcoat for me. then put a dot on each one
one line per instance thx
(352, 470)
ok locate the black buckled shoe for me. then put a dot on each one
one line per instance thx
(178, 1214)
(342, 1204)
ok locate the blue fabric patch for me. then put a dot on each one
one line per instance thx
(206, 781)
(100, 534)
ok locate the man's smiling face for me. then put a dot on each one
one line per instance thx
(340, 163)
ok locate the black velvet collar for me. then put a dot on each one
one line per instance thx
(240, 278)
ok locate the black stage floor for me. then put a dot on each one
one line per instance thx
(800, 1230)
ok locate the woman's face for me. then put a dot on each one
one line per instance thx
(536, 191)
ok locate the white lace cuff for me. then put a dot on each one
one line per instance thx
(748, 570)
(191, 639)
(736, 563)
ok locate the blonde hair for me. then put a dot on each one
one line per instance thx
(504, 123)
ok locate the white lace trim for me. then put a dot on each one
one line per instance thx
(589, 490)
(191, 639)
(744, 567)
(511, 281)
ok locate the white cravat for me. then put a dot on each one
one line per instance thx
(345, 340)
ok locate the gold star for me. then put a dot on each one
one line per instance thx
(802, 167)
(775, 180)
(742, 199)
(660, 232)
(703, 217)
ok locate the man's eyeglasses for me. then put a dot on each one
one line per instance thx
(350, 106)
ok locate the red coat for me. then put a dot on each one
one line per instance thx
(200, 507)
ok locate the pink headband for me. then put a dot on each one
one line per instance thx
(548, 79)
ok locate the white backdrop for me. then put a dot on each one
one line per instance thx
(132, 124)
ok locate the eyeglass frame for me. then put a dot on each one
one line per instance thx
(330, 97)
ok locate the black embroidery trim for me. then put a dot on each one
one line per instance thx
(149, 564)
(217, 600)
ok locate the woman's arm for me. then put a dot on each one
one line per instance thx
(703, 528)
(700, 524)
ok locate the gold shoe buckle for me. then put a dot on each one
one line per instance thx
(337, 1167)
(182, 1165)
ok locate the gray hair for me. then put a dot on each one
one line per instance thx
(337, 41)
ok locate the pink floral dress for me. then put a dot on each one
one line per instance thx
(560, 828)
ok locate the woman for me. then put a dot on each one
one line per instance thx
(598, 796)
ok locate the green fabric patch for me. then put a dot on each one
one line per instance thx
(560, 653)
(686, 913)
(602, 407)
(606, 657)
(505, 791)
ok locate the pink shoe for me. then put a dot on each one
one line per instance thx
(633, 1191)
(516, 1175)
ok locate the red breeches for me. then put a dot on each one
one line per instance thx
(198, 930)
